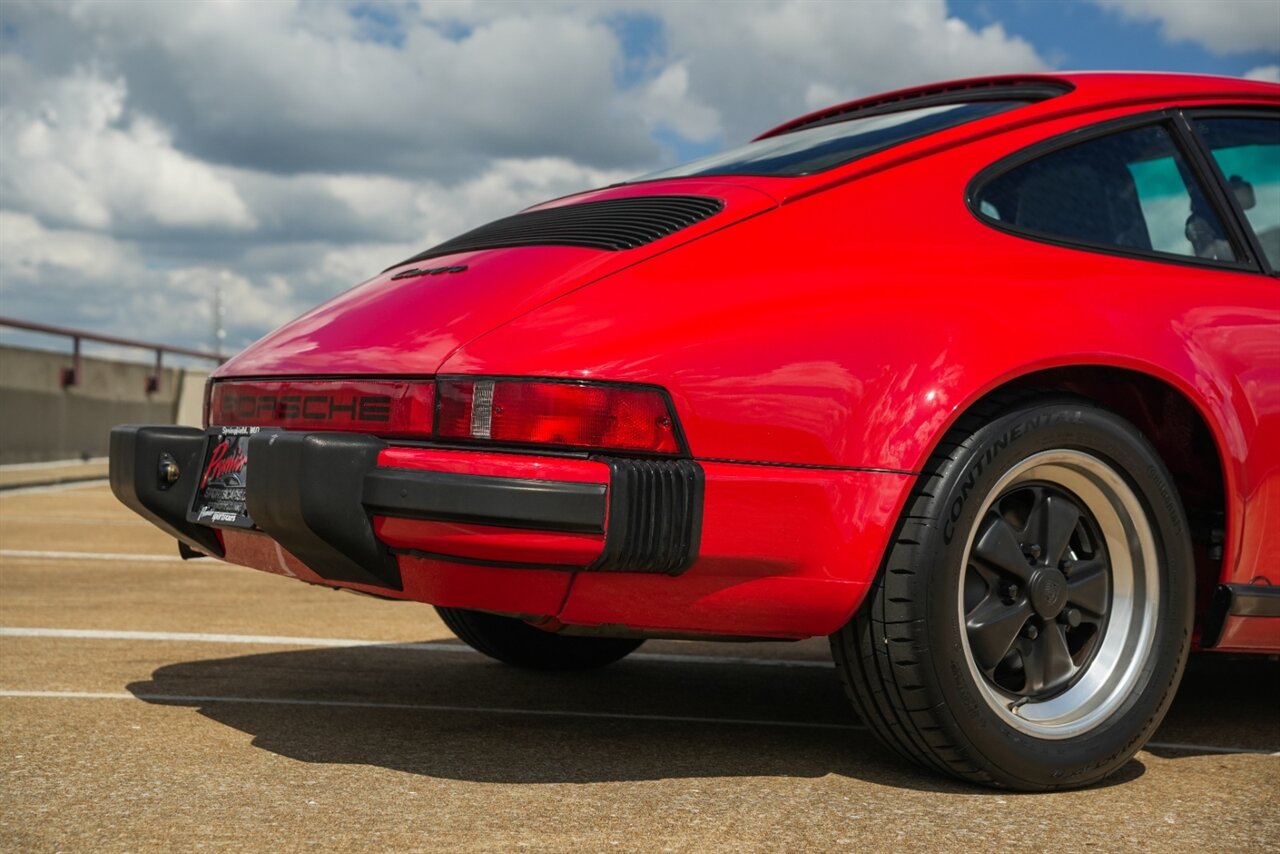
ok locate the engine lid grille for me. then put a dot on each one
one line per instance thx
(611, 224)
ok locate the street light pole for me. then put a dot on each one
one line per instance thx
(219, 316)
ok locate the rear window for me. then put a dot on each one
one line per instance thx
(825, 146)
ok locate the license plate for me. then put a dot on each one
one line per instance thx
(220, 494)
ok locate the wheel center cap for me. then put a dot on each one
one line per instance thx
(1048, 593)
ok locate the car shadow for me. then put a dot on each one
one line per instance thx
(459, 716)
(1226, 703)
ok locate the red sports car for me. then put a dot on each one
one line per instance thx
(980, 379)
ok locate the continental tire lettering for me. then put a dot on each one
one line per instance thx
(997, 445)
(1170, 502)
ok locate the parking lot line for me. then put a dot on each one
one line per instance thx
(33, 554)
(284, 640)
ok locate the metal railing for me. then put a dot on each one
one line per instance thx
(71, 375)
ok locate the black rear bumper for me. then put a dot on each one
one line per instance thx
(316, 493)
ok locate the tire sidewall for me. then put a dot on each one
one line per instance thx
(986, 456)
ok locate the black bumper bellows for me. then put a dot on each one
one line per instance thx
(655, 516)
(316, 493)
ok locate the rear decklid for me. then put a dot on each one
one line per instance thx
(405, 323)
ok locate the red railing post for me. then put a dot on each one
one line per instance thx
(71, 375)
(153, 381)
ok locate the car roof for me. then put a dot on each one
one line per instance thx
(1086, 90)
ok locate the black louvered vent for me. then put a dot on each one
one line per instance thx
(655, 516)
(612, 224)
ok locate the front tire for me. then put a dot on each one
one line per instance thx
(1033, 615)
(515, 642)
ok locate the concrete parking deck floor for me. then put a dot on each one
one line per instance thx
(147, 704)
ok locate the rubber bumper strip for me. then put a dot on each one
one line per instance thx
(316, 493)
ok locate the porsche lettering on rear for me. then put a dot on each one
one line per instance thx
(270, 408)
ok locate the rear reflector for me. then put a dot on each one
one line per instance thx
(384, 408)
(565, 414)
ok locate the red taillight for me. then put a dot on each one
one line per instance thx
(393, 409)
(502, 411)
(579, 415)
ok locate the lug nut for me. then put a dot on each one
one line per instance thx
(1008, 590)
(1070, 617)
(1030, 632)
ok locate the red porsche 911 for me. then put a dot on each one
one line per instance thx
(980, 379)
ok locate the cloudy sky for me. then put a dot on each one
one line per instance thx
(287, 149)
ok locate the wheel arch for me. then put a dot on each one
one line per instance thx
(1189, 441)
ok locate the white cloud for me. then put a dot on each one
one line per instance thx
(1222, 26)
(665, 102)
(1265, 73)
(251, 305)
(291, 87)
(82, 279)
(770, 61)
(29, 252)
(819, 95)
(71, 156)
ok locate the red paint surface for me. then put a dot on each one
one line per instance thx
(489, 542)
(785, 553)
(844, 319)
(1249, 634)
(512, 591)
(496, 465)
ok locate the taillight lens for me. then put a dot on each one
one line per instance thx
(567, 414)
(394, 409)
(585, 415)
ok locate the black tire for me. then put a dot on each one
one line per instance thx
(1066, 703)
(515, 642)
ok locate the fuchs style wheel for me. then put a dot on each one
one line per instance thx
(1033, 614)
(515, 642)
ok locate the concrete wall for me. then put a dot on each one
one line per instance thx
(40, 420)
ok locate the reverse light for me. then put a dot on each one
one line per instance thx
(398, 408)
(567, 414)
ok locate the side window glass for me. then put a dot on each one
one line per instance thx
(1248, 153)
(1130, 190)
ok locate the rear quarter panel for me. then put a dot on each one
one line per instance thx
(851, 327)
